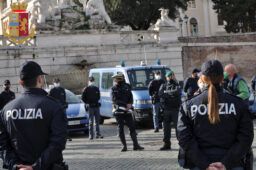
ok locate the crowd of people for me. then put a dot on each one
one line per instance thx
(213, 125)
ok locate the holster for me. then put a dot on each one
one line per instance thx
(183, 160)
(60, 166)
(248, 161)
(161, 114)
(119, 110)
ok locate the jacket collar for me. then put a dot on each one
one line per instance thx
(37, 91)
(218, 88)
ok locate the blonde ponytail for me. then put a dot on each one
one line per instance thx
(213, 101)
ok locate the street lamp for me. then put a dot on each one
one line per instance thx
(240, 26)
(186, 22)
(181, 30)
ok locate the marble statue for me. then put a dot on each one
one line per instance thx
(126, 28)
(164, 21)
(65, 3)
(94, 7)
(33, 14)
(45, 8)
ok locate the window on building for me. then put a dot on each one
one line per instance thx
(4, 4)
(96, 77)
(192, 4)
(193, 27)
(107, 80)
(220, 20)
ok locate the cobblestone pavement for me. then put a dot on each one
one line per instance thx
(105, 153)
(82, 154)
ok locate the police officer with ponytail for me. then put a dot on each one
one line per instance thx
(215, 130)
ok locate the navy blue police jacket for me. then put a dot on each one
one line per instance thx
(33, 130)
(121, 94)
(5, 97)
(153, 89)
(59, 94)
(233, 134)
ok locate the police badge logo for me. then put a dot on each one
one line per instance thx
(16, 24)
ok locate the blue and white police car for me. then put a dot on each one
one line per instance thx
(78, 118)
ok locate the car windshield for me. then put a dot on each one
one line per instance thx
(71, 97)
(140, 78)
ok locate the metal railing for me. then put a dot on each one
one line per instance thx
(7, 42)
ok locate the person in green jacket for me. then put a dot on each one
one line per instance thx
(237, 85)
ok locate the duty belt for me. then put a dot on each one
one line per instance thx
(121, 110)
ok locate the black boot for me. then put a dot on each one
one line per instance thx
(124, 149)
(123, 141)
(136, 145)
(167, 146)
(156, 130)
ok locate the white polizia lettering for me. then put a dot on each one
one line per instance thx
(24, 114)
(224, 109)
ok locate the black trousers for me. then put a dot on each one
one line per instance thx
(126, 119)
(170, 115)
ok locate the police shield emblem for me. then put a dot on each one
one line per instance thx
(16, 24)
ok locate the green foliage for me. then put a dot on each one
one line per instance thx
(240, 15)
(140, 14)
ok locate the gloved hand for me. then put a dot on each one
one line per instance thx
(129, 106)
(86, 107)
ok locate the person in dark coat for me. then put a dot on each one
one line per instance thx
(190, 84)
(91, 97)
(153, 89)
(58, 93)
(7, 95)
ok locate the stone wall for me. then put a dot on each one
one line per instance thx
(70, 56)
(237, 49)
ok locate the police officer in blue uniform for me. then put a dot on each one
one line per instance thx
(215, 130)
(190, 84)
(170, 100)
(7, 95)
(33, 127)
(58, 93)
(122, 109)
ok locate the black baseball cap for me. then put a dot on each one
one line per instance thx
(30, 69)
(56, 80)
(7, 82)
(212, 68)
(91, 79)
(195, 70)
(158, 72)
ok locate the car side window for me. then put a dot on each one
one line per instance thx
(107, 80)
(96, 79)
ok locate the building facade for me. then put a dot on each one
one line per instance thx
(202, 19)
